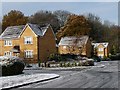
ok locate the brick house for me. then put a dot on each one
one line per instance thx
(31, 42)
(75, 45)
(101, 49)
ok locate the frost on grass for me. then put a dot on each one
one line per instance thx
(12, 81)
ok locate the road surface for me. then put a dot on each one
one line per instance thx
(104, 75)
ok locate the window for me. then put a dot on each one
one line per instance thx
(8, 42)
(64, 47)
(8, 53)
(100, 49)
(28, 40)
(28, 54)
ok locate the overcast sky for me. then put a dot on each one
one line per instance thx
(105, 10)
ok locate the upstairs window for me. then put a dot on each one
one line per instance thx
(101, 49)
(28, 54)
(28, 40)
(8, 42)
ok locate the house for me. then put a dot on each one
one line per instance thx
(32, 42)
(75, 45)
(101, 49)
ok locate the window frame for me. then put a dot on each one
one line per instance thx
(6, 53)
(29, 39)
(100, 49)
(7, 42)
(28, 53)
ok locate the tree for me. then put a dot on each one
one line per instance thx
(45, 17)
(113, 38)
(13, 18)
(74, 26)
(96, 27)
(80, 47)
(62, 16)
(107, 32)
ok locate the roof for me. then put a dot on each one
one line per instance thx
(105, 44)
(38, 30)
(15, 31)
(72, 40)
(12, 32)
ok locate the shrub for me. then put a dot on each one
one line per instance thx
(96, 58)
(47, 64)
(75, 63)
(61, 64)
(85, 63)
(65, 65)
(79, 64)
(68, 64)
(115, 57)
(42, 64)
(11, 65)
(55, 57)
(72, 56)
(106, 58)
(89, 62)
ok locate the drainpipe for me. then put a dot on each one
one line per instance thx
(104, 52)
(38, 51)
(1, 46)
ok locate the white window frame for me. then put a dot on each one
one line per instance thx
(101, 49)
(28, 40)
(28, 53)
(7, 42)
(7, 53)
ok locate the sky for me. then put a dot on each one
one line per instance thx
(105, 10)
(60, 0)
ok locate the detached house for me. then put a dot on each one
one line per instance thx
(32, 42)
(101, 49)
(75, 45)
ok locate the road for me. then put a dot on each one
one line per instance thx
(105, 76)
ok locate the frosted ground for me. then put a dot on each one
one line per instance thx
(18, 80)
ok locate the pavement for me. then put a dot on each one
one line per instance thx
(9, 82)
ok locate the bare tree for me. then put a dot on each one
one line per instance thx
(62, 16)
(77, 44)
(45, 17)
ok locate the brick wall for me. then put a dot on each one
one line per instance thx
(4, 48)
(86, 50)
(28, 32)
(47, 45)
